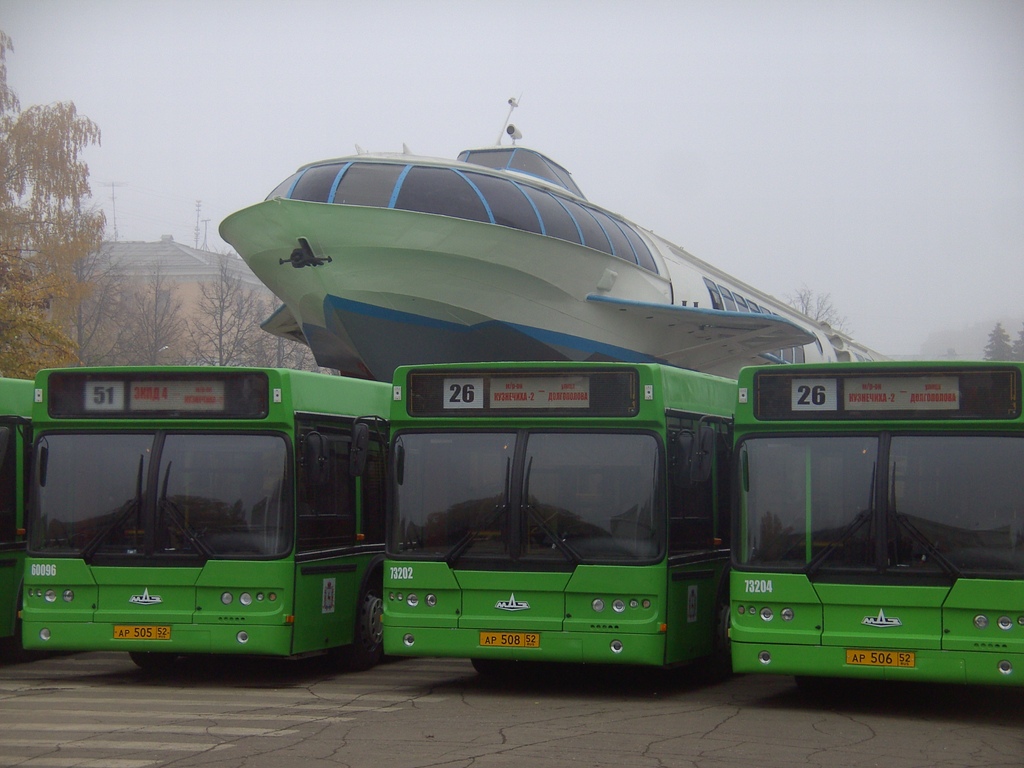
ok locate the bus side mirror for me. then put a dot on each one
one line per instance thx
(44, 460)
(314, 456)
(359, 450)
(399, 464)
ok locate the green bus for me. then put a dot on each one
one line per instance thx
(558, 511)
(180, 510)
(15, 436)
(879, 530)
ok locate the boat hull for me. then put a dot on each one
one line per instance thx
(400, 287)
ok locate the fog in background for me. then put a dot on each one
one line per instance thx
(872, 150)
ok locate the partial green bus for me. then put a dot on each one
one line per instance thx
(879, 527)
(15, 435)
(564, 512)
(206, 510)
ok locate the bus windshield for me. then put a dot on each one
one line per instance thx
(209, 495)
(945, 504)
(536, 497)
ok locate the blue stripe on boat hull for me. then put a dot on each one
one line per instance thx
(386, 338)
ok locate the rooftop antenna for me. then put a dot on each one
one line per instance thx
(113, 203)
(508, 128)
(199, 210)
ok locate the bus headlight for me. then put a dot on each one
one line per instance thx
(51, 596)
(242, 637)
(597, 605)
(1005, 667)
(431, 600)
(767, 614)
(69, 595)
(787, 614)
(618, 606)
(616, 646)
(412, 600)
(245, 598)
(226, 598)
(981, 621)
(44, 634)
(1005, 622)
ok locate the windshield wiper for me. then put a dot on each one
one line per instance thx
(904, 521)
(532, 514)
(120, 517)
(844, 536)
(469, 536)
(173, 512)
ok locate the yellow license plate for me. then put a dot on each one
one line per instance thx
(510, 639)
(141, 632)
(880, 658)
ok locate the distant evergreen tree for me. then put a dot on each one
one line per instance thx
(999, 347)
(1017, 351)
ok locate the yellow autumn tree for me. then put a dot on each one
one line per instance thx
(44, 228)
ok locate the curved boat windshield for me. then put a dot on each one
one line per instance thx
(524, 161)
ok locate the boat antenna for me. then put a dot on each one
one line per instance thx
(508, 128)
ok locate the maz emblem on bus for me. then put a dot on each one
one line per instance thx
(881, 620)
(512, 604)
(145, 598)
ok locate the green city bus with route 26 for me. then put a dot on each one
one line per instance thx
(178, 510)
(561, 512)
(15, 437)
(879, 529)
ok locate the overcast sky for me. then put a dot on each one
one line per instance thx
(872, 150)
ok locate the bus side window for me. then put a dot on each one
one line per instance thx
(327, 494)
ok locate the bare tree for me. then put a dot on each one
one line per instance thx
(96, 324)
(154, 326)
(226, 319)
(819, 307)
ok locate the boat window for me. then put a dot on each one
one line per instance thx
(509, 206)
(369, 184)
(741, 303)
(488, 158)
(285, 187)
(593, 235)
(315, 184)
(753, 307)
(643, 253)
(730, 303)
(441, 191)
(716, 297)
(555, 171)
(557, 221)
(620, 245)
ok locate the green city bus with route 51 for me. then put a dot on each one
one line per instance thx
(879, 528)
(185, 510)
(15, 436)
(558, 511)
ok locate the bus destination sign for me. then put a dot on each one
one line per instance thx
(156, 395)
(236, 394)
(595, 393)
(921, 394)
(876, 393)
